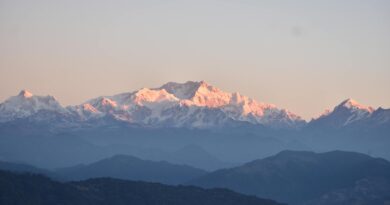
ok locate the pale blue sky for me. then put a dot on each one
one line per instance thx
(301, 55)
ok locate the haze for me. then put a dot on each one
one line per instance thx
(301, 55)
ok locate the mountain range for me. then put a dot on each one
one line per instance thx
(190, 123)
(124, 167)
(190, 104)
(293, 177)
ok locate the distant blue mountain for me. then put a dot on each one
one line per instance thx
(132, 168)
(300, 177)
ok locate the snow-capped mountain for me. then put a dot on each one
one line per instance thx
(349, 113)
(26, 104)
(190, 104)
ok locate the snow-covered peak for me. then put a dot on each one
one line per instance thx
(198, 94)
(103, 102)
(183, 91)
(209, 96)
(235, 105)
(347, 112)
(94, 107)
(354, 105)
(193, 104)
(153, 95)
(26, 104)
(25, 94)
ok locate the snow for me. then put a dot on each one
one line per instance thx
(354, 105)
(26, 104)
(349, 111)
(25, 93)
(181, 90)
(179, 103)
(193, 104)
(357, 110)
(189, 104)
(146, 95)
(88, 107)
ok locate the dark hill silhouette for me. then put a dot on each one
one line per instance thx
(20, 189)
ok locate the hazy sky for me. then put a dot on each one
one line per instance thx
(301, 55)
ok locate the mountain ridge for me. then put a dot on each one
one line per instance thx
(299, 177)
(128, 167)
(19, 188)
(190, 104)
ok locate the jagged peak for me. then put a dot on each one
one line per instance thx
(205, 87)
(353, 104)
(148, 91)
(89, 107)
(201, 93)
(187, 83)
(108, 102)
(25, 93)
(101, 101)
(153, 95)
(185, 90)
(349, 102)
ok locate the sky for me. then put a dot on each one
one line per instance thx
(302, 55)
